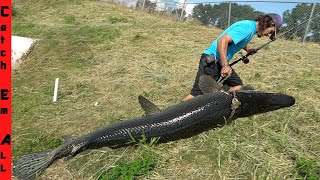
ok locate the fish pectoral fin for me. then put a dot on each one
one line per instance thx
(75, 149)
(148, 107)
(208, 85)
(68, 138)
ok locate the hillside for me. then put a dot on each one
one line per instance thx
(108, 55)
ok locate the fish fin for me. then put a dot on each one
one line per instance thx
(148, 106)
(68, 138)
(76, 149)
(208, 85)
(248, 88)
(31, 165)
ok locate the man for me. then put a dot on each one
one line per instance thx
(214, 60)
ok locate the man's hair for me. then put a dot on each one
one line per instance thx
(264, 21)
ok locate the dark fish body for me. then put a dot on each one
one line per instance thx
(184, 120)
(171, 124)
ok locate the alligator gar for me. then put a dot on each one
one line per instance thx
(204, 112)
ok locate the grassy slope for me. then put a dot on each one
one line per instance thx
(109, 54)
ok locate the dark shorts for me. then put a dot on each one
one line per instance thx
(213, 69)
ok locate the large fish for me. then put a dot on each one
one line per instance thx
(208, 111)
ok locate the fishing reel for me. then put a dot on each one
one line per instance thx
(244, 59)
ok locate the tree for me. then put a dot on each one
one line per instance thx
(147, 5)
(204, 13)
(139, 4)
(296, 21)
(217, 15)
(177, 12)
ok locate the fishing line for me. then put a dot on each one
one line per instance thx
(299, 25)
(245, 59)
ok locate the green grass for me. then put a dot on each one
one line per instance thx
(107, 54)
(38, 142)
(69, 19)
(138, 167)
(114, 20)
(308, 168)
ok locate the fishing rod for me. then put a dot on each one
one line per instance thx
(244, 58)
(272, 38)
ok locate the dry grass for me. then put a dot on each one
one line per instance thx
(113, 63)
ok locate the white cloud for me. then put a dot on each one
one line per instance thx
(189, 8)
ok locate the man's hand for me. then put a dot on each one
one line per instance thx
(226, 71)
(252, 51)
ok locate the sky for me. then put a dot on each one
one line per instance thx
(266, 7)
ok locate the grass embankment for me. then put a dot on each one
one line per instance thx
(109, 54)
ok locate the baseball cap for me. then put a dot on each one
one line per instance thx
(276, 19)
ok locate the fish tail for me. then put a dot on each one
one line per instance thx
(29, 166)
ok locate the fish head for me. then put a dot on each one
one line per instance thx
(260, 102)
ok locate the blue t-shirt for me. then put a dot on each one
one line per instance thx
(241, 33)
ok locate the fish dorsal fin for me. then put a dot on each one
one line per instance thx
(69, 138)
(148, 106)
(208, 85)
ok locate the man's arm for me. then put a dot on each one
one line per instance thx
(223, 43)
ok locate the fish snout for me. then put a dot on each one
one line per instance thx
(280, 101)
(261, 102)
